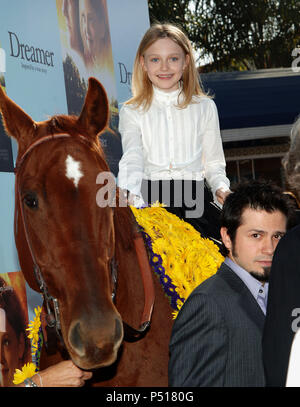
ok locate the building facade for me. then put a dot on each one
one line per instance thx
(257, 110)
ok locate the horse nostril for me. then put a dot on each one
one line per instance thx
(118, 330)
(76, 340)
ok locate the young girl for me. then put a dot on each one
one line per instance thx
(170, 129)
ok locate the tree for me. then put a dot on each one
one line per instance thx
(76, 87)
(2, 81)
(168, 11)
(239, 34)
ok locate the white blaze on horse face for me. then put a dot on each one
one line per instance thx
(73, 170)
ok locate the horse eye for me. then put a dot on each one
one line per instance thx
(31, 201)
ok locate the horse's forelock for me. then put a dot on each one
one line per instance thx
(64, 124)
(69, 124)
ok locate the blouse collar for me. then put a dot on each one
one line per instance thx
(167, 97)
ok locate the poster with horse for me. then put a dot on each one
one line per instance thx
(39, 59)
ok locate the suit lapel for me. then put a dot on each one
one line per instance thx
(246, 299)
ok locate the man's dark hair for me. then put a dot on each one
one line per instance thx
(258, 195)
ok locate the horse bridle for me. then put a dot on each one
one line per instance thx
(52, 307)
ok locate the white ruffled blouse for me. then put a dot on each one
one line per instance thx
(167, 142)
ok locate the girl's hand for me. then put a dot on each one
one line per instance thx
(133, 199)
(221, 195)
(130, 199)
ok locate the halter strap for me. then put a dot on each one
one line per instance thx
(53, 321)
(35, 144)
(130, 334)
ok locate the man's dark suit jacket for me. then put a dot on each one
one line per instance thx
(216, 337)
(283, 308)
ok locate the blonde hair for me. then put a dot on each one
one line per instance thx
(142, 89)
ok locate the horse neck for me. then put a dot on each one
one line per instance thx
(128, 273)
(130, 296)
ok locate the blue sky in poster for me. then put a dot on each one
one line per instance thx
(38, 87)
(8, 255)
(128, 21)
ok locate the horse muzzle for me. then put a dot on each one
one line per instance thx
(94, 343)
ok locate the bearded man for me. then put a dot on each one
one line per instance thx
(217, 335)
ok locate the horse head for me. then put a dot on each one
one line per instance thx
(60, 231)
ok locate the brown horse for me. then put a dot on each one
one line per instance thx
(68, 245)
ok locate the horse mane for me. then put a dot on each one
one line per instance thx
(64, 123)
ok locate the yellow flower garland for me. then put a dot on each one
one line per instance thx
(187, 258)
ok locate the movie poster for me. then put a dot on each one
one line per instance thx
(129, 20)
(6, 155)
(87, 51)
(34, 77)
(48, 50)
(15, 349)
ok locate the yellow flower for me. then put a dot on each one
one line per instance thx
(187, 258)
(157, 205)
(174, 314)
(28, 370)
(34, 327)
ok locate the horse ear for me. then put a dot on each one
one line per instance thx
(95, 111)
(16, 122)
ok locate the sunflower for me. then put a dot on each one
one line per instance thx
(28, 370)
(34, 327)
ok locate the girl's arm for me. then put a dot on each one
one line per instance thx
(213, 154)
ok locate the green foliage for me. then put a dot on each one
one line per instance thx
(76, 87)
(237, 34)
(168, 11)
(2, 81)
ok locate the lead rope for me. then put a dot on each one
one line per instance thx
(131, 334)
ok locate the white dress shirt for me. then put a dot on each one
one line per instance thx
(167, 142)
(293, 378)
(258, 289)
